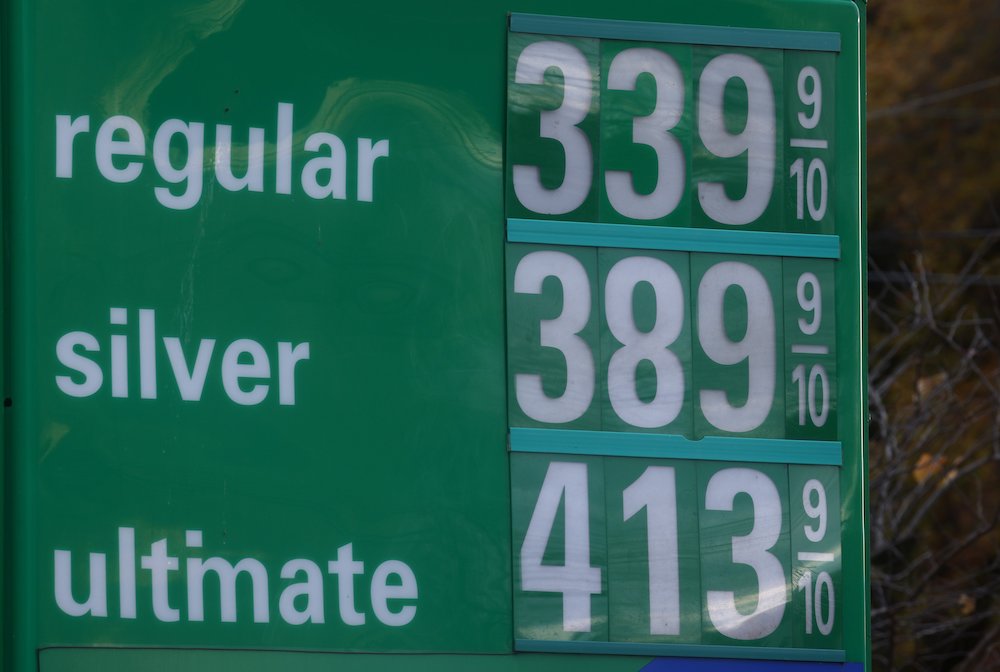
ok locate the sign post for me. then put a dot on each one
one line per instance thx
(446, 338)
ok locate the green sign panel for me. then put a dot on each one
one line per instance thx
(434, 337)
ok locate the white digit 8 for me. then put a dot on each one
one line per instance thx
(650, 346)
(560, 333)
(757, 139)
(753, 550)
(559, 124)
(757, 345)
(652, 131)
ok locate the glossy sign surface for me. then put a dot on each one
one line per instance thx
(261, 324)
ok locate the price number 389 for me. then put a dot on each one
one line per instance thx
(659, 354)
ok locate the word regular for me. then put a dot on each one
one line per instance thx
(120, 150)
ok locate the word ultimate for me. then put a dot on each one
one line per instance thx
(119, 149)
(392, 586)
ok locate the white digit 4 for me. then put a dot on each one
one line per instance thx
(560, 333)
(576, 580)
(649, 346)
(652, 131)
(757, 345)
(757, 139)
(656, 491)
(752, 550)
(560, 124)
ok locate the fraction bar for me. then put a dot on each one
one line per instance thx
(808, 144)
(810, 350)
(816, 557)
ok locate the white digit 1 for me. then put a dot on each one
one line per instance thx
(560, 333)
(818, 411)
(656, 491)
(757, 139)
(576, 580)
(814, 602)
(652, 131)
(757, 345)
(650, 346)
(753, 550)
(812, 98)
(559, 124)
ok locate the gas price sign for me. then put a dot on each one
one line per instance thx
(436, 336)
(672, 280)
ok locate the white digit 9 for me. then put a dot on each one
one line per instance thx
(753, 550)
(810, 98)
(757, 139)
(650, 346)
(817, 512)
(559, 124)
(560, 333)
(813, 303)
(757, 345)
(652, 131)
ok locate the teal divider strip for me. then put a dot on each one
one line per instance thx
(675, 32)
(681, 650)
(672, 446)
(591, 234)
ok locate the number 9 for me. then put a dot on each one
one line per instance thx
(757, 139)
(813, 98)
(817, 512)
(812, 304)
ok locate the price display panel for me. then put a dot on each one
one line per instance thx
(672, 264)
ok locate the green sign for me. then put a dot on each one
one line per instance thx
(434, 337)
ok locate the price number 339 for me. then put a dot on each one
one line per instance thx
(753, 144)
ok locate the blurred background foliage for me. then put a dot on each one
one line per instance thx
(934, 229)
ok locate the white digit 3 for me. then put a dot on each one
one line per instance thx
(651, 131)
(752, 550)
(560, 333)
(559, 124)
(650, 346)
(757, 139)
(757, 345)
